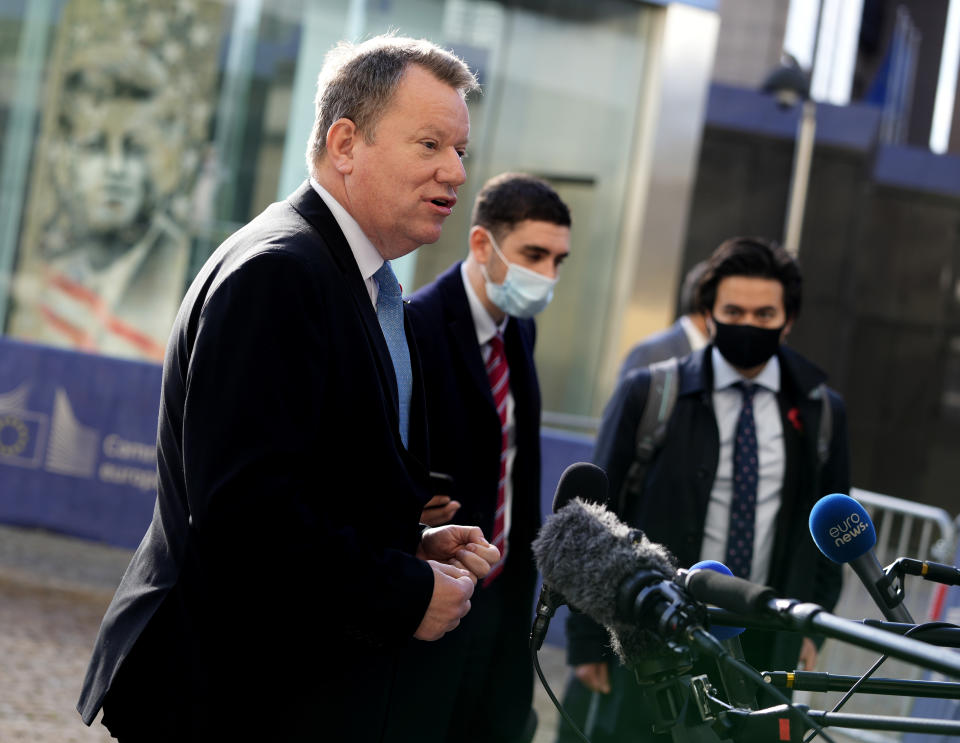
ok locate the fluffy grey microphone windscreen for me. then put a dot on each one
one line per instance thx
(585, 552)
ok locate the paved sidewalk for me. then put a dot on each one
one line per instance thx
(53, 592)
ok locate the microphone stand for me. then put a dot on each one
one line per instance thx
(687, 710)
(945, 637)
(948, 575)
(669, 700)
(775, 723)
(844, 629)
(679, 705)
(791, 723)
(820, 681)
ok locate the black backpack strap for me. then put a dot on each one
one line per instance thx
(661, 399)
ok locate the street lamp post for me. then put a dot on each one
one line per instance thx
(789, 85)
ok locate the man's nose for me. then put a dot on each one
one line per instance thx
(451, 171)
(548, 269)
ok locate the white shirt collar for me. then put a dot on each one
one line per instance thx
(724, 375)
(485, 326)
(696, 339)
(367, 256)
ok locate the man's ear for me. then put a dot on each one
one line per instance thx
(341, 139)
(480, 247)
(708, 324)
(788, 326)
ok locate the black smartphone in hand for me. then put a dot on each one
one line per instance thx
(441, 484)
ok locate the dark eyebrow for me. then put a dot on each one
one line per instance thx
(735, 306)
(432, 131)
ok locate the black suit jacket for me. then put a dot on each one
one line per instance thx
(465, 442)
(673, 507)
(462, 420)
(277, 577)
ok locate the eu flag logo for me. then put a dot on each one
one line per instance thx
(21, 437)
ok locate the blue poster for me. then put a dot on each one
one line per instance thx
(77, 442)
(78, 445)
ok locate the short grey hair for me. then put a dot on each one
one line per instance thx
(358, 80)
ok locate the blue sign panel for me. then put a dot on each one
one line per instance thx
(77, 442)
(78, 445)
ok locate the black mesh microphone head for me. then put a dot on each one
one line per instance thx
(581, 480)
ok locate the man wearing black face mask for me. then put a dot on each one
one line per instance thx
(738, 471)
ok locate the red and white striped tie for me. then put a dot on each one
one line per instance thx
(499, 375)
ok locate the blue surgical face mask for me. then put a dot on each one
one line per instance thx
(523, 292)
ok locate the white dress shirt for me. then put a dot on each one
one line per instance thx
(486, 328)
(727, 401)
(368, 258)
(695, 338)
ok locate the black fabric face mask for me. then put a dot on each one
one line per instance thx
(746, 346)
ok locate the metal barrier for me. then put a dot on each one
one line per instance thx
(904, 529)
(915, 524)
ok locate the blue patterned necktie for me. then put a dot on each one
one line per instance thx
(743, 505)
(390, 315)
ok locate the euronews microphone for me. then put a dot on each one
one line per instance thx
(843, 531)
(579, 480)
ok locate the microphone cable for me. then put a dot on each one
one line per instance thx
(916, 629)
(553, 697)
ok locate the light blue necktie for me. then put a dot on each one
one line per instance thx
(390, 315)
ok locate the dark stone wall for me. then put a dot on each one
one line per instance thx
(881, 316)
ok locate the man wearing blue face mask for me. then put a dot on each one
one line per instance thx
(754, 439)
(475, 334)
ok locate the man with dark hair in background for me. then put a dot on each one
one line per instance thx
(285, 565)
(475, 331)
(688, 333)
(754, 440)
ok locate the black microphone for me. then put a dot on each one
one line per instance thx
(843, 531)
(616, 576)
(580, 480)
(749, 599)
(729, 592)
(937, 572)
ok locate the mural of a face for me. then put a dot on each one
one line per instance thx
(106, 158)
(105, 247)
(116, 140)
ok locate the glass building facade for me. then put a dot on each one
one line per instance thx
(135, 135)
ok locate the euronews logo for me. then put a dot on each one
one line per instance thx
(844, 532)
